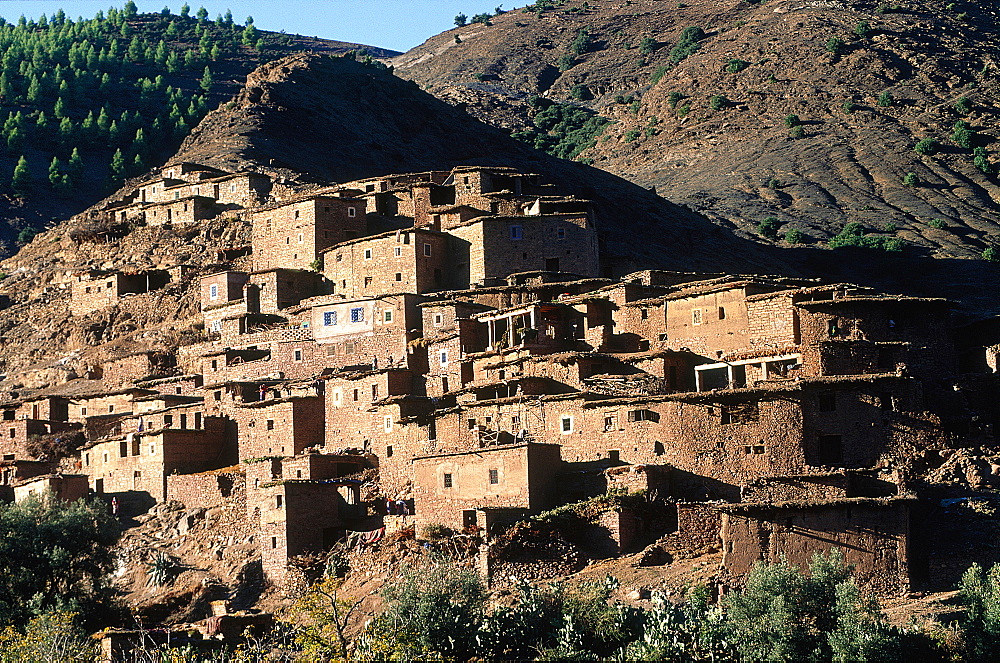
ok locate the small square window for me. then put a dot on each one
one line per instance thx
(329, 318)
(516, 232)
(566, 424)
(357, 314)
(387, 423)
(561, 233)
(494, 477)
(297, 354)
(397, 251)
(444, 357)
(722, 313)
(696, 316)
(368, 254)
(270, 424)
(340, 257)
(388, 316)
(427, 250)
(437, 319)
(447, 481)
(352, 212)
(399, 276)
(213, 291)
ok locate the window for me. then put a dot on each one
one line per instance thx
(516, 232)
(831, 449)
(827, 402)
(722, 313)
(388, 316)
(885, 401)
(696, 316)
(399, 276)
(217, 396)
(444, 357)
(197, 420)
(270, 424)
(329, 318)
(368, 254)
(387, 423)
(374, 392)
(352, 212)
(213, 291)
(437, 319)
(168, 420)
(111, 408)
(340, 257)
(83, 411)
(349, 347)
(494, 477)
(123, 448)
(368, 281)
(357, 315)
(388, 451)
(644, 313)
(296, 214)
(398, 251)
(610, 422)
(274, 542)
(566, 424)
(447, 481)
(614, 455)
(561, 233)
(833, 327)
(297, 355)
(355, 394)
(427, 250)
(87, 290)
(300, 238)
(277, 501)
(643, 415)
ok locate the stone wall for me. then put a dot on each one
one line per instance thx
(206, 489)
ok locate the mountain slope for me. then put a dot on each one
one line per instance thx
(711, 131)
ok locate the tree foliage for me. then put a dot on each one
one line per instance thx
(563, 130)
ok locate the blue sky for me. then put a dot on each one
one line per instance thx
(395, 24)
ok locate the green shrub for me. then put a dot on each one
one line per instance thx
(461, 20)
(657, 74)
(834, 45)
(792, 121)
(886, 99)
(849, 106)
(648, 46)
(927, 147)
(863, 29)
(911, 179)
(854, 234)
(984, 165)
(794, 236)
(684, 110)
(797, 132)
(161, 570)
(962, 134)
(483, 18)
(687, 44)
(581, 42)
(718, 102)
(566, 62)
(769, 227)
(991, 254)
(979, 592)
(734, 66)
(579, 92)
(632, 134)
(674, 99)
(937, 223)
(889, 227)
(774, 183)
(562, 130)
(434, 532)
(963, 106)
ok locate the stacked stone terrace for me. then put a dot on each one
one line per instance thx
(455, 331)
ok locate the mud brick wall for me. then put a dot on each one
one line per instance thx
(228, 287)
(119, 373)
(709, 323)
(409, 261)
(186, 209)
(87, 295)
(205, 490)
(698, 526)
(773, 321)
(14, 435)
(292, 235)
(873, 536)
(787, 489)
(279, 427)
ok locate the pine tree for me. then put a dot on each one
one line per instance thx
(59, 110)
(117, 172)
(114, 133)
(173, 63)
(66, 132)
(21, 181)
(202, 14)
(138, 164)
(15, 139)
(139, 144)
(74, 170)
(206, 80)
(56, 178)
(185, 10)
(249, 34)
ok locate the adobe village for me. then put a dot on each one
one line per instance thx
(439, 351)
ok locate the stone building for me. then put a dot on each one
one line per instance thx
(94, 291)
(292, 234)
(414, 260)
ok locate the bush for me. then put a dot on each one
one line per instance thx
(794, 236)
(797, 132)
(983, 164)
(963, 106)
(962, 134)
(979, 591)
(54, 636)
(991, 254)
(580, 92)
(648, 46)
(674, 99)
(937, 223)
(483, 18)
(735, 66)
(911, 179)
(886, 99)
(563, 130)
(863, 29)
(581, 42)
(687, 44)
(718, 102)
(927, 147)
(855, 235)
(657, 74)
(632, 134)
(769, 227)
(835, 45)
(792, 121)
(461, 20)
(849, 106)
(434, 532)
(774, 183)
(566, 62)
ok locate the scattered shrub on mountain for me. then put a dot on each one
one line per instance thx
(718, 102)
(835, 45)
(863, 29)
(991, 254)
(792, 121)
(963, 105)
(794, 236)
(581, 41)
(885, 99)
(684, 110)
(648, 46)
(927, 147)
(798, 131)
(562, 130)
(774, 183)
(632, 135)
(657, 74)
(939, 224)
(461, 20)
(855, 234)
(982, 162)
(21, 180)
(911, 179)
(768, 227)
(687, 44)
(962, 134)
(979, 592)
(483, 18)
(566, 62)
(674, 99)
(580, 92)
(735, 65)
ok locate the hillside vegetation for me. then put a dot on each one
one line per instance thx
(816, 115)
(85, 104)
